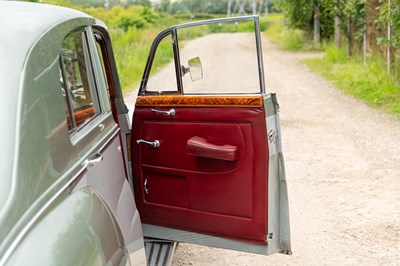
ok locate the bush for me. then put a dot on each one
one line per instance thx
(293, 40)
(128, 22)
(334, 54)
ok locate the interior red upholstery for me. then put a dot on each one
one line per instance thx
(204, 176)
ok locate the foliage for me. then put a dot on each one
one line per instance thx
(335, 55)
(293, 40)
(123, 18)
(393, 19)
(290, 39)
(191, 7)
(197, 16)
(146, 3)
(98, 3)
(274, 28)
(355, 11)
(300, 14)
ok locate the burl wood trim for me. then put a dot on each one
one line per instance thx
(80, 116)
(200, 101)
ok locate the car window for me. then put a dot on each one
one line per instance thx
(162, 76)
(209, 57)
(80, 97)
(214, 59)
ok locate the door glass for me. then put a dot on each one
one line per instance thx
(162, 75)
(79, 92)
(227, 53)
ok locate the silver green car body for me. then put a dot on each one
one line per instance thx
(49, 201)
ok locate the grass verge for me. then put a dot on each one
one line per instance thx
(289, 39)
(369, 82)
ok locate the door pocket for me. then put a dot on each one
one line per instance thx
(166, 189)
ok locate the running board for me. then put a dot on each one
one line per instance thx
(159, 252)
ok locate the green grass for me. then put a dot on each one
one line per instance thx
(370, 82)
(289, 39)
(278, 33)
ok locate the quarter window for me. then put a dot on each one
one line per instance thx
(80, 97)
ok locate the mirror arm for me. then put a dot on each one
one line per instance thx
(184, 70)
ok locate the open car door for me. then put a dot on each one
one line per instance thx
(206, 148)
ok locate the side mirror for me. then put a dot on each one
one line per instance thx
(195, 68)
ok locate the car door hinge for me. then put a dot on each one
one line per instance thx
(272, 136)
(128, 146)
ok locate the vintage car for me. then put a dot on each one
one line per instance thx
(83, 183)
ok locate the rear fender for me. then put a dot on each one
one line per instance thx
(79, 230)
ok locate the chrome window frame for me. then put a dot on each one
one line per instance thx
(97, 85)
(173, 32)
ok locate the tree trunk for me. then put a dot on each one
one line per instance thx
(337, 33)
(317, 26)
(349, 37)
(338, 37)
(228, 9)
(372, 14)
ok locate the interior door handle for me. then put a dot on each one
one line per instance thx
(145, 186)
(92, 160)
(198, 146)
(154, 144)
(170, 112)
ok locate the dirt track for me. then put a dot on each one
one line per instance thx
(342, 163)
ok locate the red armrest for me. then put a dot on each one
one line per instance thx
(198, 146)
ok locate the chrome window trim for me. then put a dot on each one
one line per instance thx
(98, 88)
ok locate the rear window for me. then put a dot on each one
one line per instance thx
(80, 97)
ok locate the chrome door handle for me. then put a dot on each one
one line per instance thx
(154, 144)
(170, 112)
(145, 186)
(92, 160)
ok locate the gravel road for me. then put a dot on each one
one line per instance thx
(342, 159)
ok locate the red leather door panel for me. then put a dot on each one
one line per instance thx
(209, 174)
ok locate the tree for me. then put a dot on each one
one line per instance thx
(389, 19)
(355, 15)
(138, 3)
(309, 15)
(163, 6)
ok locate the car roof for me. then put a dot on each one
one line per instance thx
(21, 26)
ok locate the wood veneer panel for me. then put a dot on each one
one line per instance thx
(200, 101)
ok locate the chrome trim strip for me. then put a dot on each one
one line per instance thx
(155, 231)
(259, 55)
